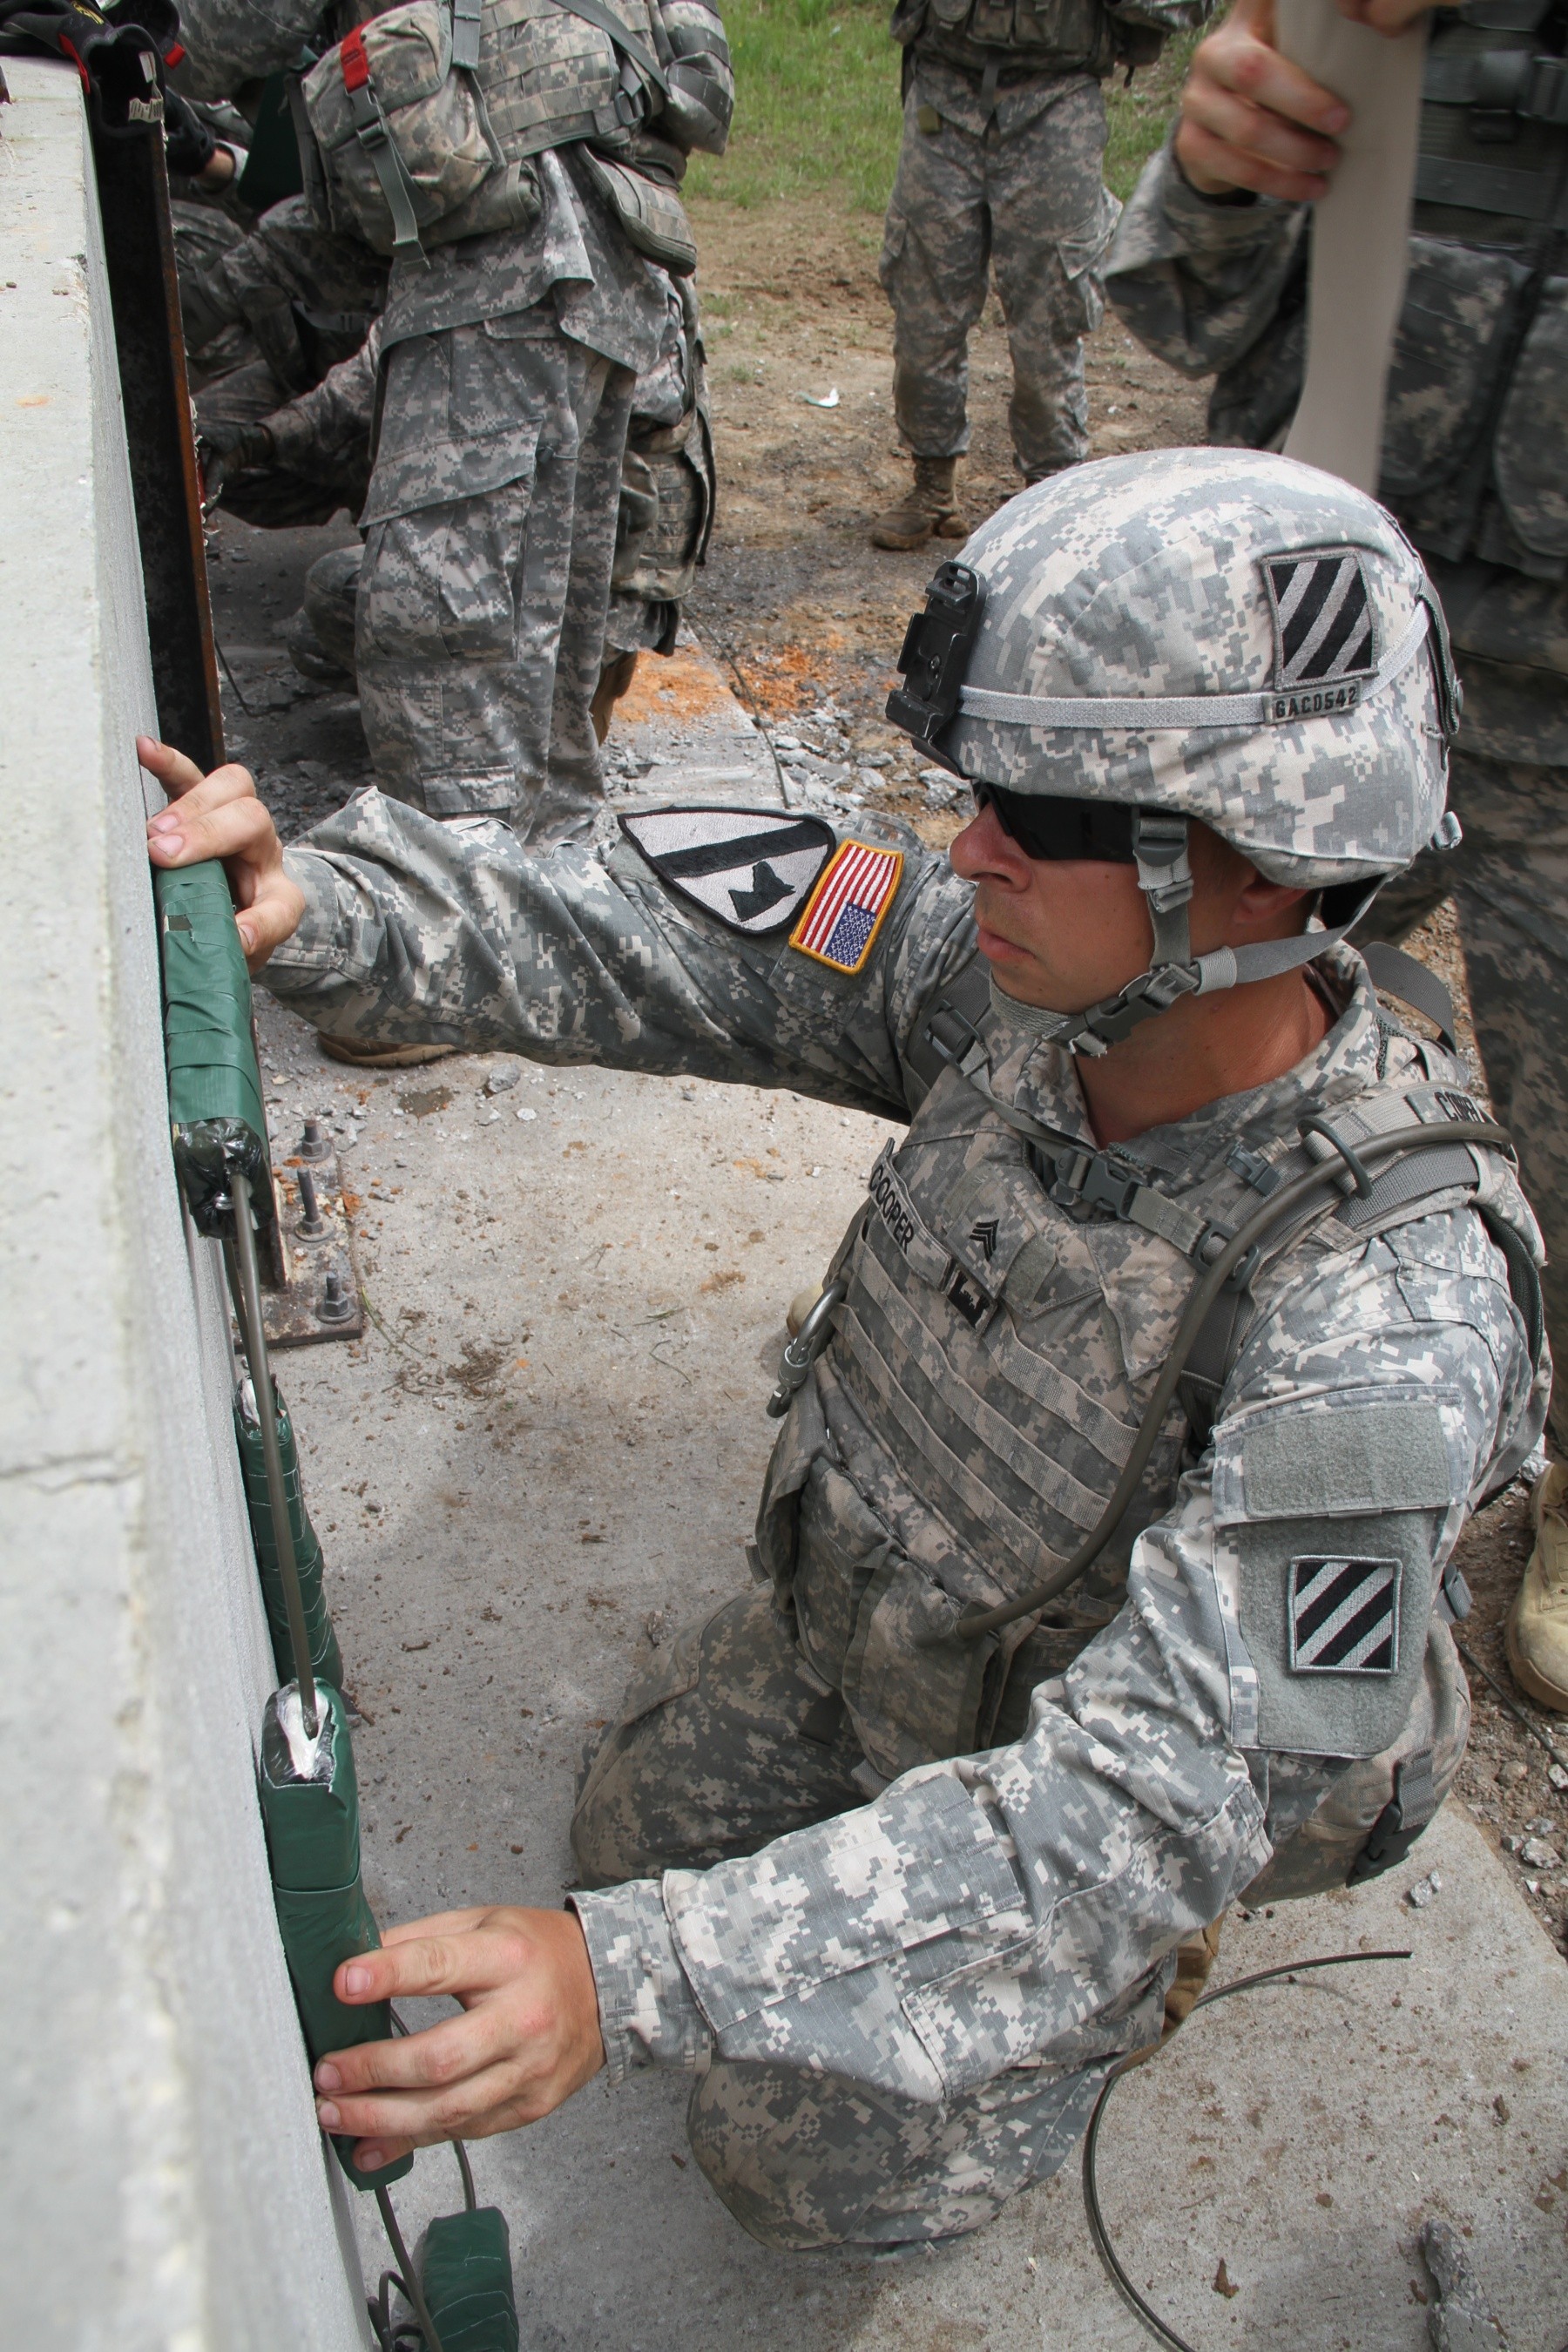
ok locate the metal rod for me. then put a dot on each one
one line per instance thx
(1517, 1712)
(249, 1289)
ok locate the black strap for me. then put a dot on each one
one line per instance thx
(1394, 974)
(593, 12)
(946, 1031)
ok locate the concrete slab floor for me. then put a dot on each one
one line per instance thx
(543, 1455)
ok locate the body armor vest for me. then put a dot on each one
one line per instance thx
(550, 76)
(1031, 36)
(1010, 1305)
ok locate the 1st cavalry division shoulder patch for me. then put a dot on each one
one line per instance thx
(750, 868)
(847, 909)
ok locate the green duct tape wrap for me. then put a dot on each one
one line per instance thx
(312, 1837)
(326, 1660)
(466, 2278)
(214, 1086)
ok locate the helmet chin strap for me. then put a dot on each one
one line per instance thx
(1165, 878)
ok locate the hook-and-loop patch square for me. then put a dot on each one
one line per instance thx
(1344, 1616)
(1323, 631)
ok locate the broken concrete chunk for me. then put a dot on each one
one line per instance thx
(502, 1077)
(1458, 2320)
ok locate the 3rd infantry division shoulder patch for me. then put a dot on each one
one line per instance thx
(845, 910)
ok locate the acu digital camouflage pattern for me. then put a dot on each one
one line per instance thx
(1029, 206)
(1143, 576)
(1216, 287)
(902, 2006)
(1000, 170)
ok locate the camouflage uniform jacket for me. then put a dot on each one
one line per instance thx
(1024, 1861)
(1475, 457)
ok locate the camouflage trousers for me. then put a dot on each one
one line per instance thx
(728, 1741)
(480, 619)
(1031, 208)
(1510, 886)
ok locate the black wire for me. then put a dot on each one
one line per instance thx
(1109, 2261)
(408, 2281)
(470, 2197)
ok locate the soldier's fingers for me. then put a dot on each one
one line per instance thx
(270, 914)
(475, 1961)
(174, 770)
(208, 823)
(447, 2052)
(375, 2155)
(1258, 73)
(1213, 165)
(492, 2101)
(439, 1923)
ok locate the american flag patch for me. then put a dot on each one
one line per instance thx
(844, 911)
(1344, 1616)
(1323, 617)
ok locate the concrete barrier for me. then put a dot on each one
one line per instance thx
(162, 2179)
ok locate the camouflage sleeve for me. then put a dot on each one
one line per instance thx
(1000, 1907)
(333, 414)
(230, 42)
(701, 102)
(1198, 278)
(422, 930)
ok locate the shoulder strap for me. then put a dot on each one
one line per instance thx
(1394, 974)
(594, 12)
(948, 1028)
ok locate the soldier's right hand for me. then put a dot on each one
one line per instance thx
(1250, 118)
(220, 817)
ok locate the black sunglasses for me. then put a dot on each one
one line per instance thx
(1060, 829)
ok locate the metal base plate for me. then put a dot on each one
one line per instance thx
(309, 1309)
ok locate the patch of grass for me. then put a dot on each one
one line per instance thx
(817, 109)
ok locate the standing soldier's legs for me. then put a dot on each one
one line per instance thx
(936, 253)
(1051, 224)
(481, 616)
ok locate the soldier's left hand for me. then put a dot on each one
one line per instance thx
(529, 2037)
(220, 817)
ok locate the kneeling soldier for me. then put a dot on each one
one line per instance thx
(1104, 1555)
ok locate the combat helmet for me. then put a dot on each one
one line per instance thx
(1219, 634)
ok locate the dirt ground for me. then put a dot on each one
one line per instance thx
(809, 615)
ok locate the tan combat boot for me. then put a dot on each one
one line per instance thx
(925, 512)
(1537, 1631)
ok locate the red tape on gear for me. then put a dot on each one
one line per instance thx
(356, 63)
(176, 56)
(70, 52)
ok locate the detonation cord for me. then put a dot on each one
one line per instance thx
(391, 2338)
(1143, 2311)
(245, 1281)
(1278, 1204)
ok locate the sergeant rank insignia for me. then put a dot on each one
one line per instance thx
(845, 912)
(752, 868)
(1344, 1616)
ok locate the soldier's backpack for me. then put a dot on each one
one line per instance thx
(418, 129)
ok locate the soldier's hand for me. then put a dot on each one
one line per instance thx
(528, 2039)
(220, 817)
(1250, 118)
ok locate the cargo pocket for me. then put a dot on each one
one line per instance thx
(913, 1690)
(1452, 337)
(1531, 459)
(893, 240)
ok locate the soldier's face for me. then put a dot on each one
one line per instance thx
(1064, 932)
